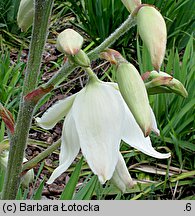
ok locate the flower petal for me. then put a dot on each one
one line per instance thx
(121, 177)
(133, 136)
(154, 124)
(99, 114)
(55, 113)
(69, 147)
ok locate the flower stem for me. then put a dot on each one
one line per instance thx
(68, 68)
(19, 139)
(91, 74)
(60, 75)
(33, 162)
(124, 27)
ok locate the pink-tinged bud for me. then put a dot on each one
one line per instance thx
(174, 85)
(69, 42)
(7, 118)
(131, 4)
(152, 29)
(135, 95)
(158, 81)
(113, 56)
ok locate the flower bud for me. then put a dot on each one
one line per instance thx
(174, 85)
(80, 59)
(134, 93)
(69, 42)
(152, 29)
(113, 56)
(26, 179)
(121, 177)
(131, 4)
(158, 81)
(25, 14)
(7, 117)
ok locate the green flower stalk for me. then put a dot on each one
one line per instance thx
(135, 95)
(25, 14)
(18, 140)
(152, 29)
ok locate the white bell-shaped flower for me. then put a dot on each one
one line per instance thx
(96, 122)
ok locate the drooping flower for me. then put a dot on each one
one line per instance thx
(97, 119)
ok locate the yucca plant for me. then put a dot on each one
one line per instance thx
(97, 118)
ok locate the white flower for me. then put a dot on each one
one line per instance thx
(97, 118)
(121, 177)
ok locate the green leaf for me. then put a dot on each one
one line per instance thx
(68, 191)
(87, 191)
(38, 192)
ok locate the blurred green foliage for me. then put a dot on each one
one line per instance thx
(8, 15)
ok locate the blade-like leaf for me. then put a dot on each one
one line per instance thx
(68, 191)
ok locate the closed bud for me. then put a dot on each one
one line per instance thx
(158, 81)
(113, 56)
(7, 117)
(26, 179)
(25, 14)
(134, 93)
(174, 85)
(80, 59)
(131, 4)
(69, 42)
(152, 29)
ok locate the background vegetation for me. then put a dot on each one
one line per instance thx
(95, 20)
